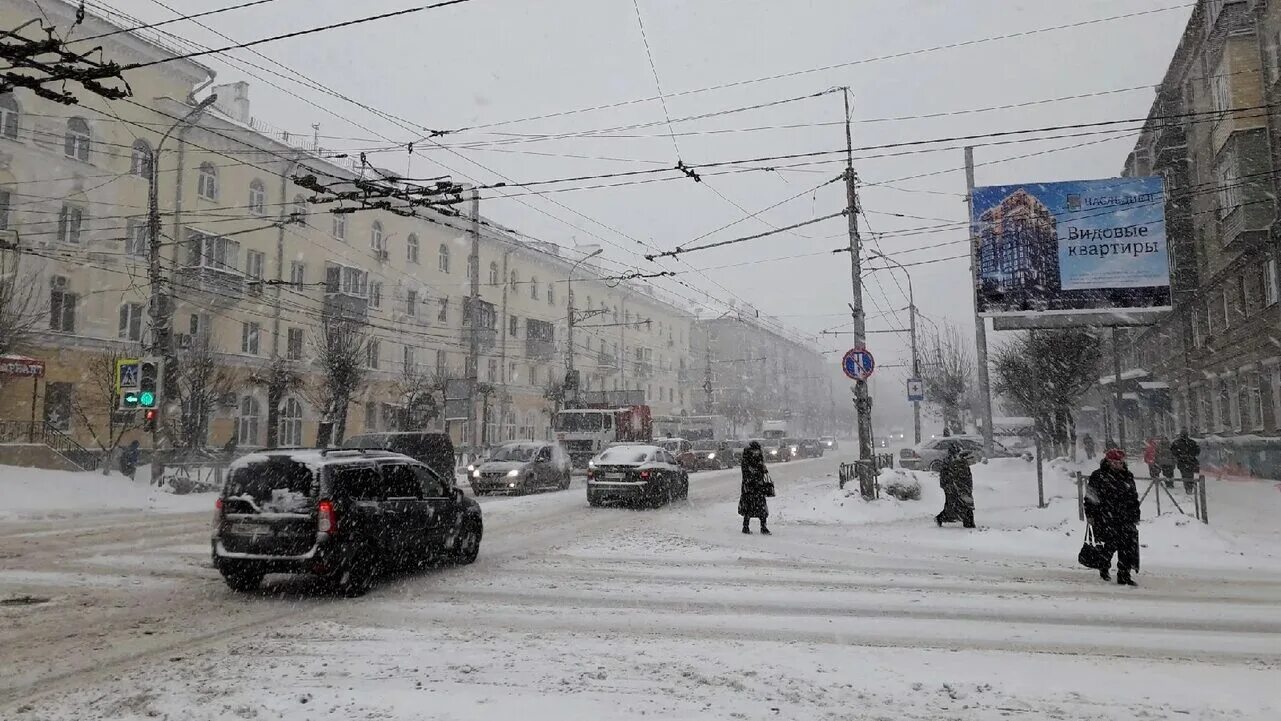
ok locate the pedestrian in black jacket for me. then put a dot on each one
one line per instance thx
(1112, 508)
(751, 500)
(1187, 456)
(958, 489)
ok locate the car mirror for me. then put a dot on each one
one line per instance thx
(458, 495)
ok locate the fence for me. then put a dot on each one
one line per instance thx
(866, 473)
(1194, 487)
(54, 438)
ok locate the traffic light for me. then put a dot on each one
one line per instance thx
(149, 420)
(148, 382)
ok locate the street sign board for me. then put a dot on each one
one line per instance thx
(915, 390)
(858, 364)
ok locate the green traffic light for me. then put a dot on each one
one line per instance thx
(147, 398)
(131, 399)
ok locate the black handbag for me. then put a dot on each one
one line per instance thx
(1092, 554)
(767, 486)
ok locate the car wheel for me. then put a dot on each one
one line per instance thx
(566, 481)
(356, 576)
(240, 578)
(467, 544)
(593, 501)
(936, 466)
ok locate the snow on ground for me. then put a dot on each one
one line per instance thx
(34, 493)
(852, 610)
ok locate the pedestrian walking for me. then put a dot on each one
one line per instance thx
(1087, 443)
(1187, 456)
(1165, 460)
(756, 488)
(1149, 458)
(1112, 509)
(958, 488)
(129, 459)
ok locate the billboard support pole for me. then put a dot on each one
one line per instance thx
(980, 323)
(1116, 381)
(862, 398)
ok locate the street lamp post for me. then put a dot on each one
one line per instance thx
(916, 361)
(569, 332)
(161, 302)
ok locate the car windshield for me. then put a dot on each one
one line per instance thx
(520, 453)
(625, 455)
(706, 445)
(579, 422)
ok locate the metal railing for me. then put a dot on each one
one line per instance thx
(55, 438)
(1193, 487)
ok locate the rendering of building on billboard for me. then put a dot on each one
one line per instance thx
(1092, 245)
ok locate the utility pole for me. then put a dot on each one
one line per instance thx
(707, 367)
(1119, 398)
(161, 303)
(569, 328)
(473, 318)
(916, 358)
(980, 323)
(862, 399)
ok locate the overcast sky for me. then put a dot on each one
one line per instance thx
(489, 61)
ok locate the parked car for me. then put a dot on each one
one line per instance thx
(829, 442)
(521, 467)
(681, 449)
(810, 448)
(645, 475)
(344, 515)
(712, 455)
(775, 450)
(435, 450)
(929, 455)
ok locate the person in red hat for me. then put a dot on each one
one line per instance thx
(1112, 508)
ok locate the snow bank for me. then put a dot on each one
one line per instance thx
(34, 493)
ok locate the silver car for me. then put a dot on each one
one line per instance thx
(521, 467)
(930, 455)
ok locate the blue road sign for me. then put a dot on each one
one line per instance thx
(915, 390)
(858, 364)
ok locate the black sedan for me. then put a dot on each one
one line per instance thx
(635, 475)
(712, 456)
(809, 448)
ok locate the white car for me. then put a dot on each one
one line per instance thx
(930, 455)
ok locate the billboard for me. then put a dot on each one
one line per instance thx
(1083, 245)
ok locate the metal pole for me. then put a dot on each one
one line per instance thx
(473, 318)
(569, 332)
(916, 360)
(1040, 474)
(161, 306)
(980, 324)
(1116, 381)
(862, 400)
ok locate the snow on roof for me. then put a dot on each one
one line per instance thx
(1131, 375)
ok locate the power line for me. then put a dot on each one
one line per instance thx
(173, 20)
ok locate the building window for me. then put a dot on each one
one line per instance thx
(1254, 403)
(131, 322)
(492, 365)
(291, 423)
(1227, 308)
(137, 238)
(373, 353)
(443, 260)
(533, 287)
(443, 315)
(493, 275)
(1223, 408)
(412, 247)
(249, 338)
(297, 274)
(76, 141)
(371, 416)
(293, 344)
(551, 294)
(5, 198)
(70, 220)
(298, 213)
(340, 226)
(1270, 282)
(376, 295)
(513, 324)
(409, 362)
(441, 363)
(1197, 338)
(1252, 289)
(376, 238)
(140, 159)
(257, 198)
(411, 302)
(1276, 397)
(515, 280)
(247, 421)
(9, 114)
(255, 269)
(207, 182)
(1229, 190)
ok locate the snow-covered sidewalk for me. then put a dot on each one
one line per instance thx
(34, 494)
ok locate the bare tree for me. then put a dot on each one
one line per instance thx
(340, 349)
(1044, 373)
(280, 378)
(418, 391)
(97, 403)
(199, 386)
(947, 368)
(22, 305)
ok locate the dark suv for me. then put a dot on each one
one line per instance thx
(343, 515)
(435, 450)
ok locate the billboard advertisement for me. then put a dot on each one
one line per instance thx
(1068, 247)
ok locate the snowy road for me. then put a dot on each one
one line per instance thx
(574, 612)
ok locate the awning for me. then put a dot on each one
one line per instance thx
(20, 365)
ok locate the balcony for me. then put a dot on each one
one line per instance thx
(606, 360)
(1171, 144)
(644, 369)
(685, 375)
(341, 305)
(486, 319)
(536, 349)
(219, 283)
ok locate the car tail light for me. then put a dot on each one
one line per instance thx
(327, 521)
(217, 516)
(644, 475)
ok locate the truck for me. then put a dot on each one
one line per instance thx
(775, 429)
(585, 432)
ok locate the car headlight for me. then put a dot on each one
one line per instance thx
(711, 456)
(513, 473)
(471, 467)
(475, 473)
(773, 451)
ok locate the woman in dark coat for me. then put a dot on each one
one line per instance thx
(958, 489)
(751, 501)
(1112, 508)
